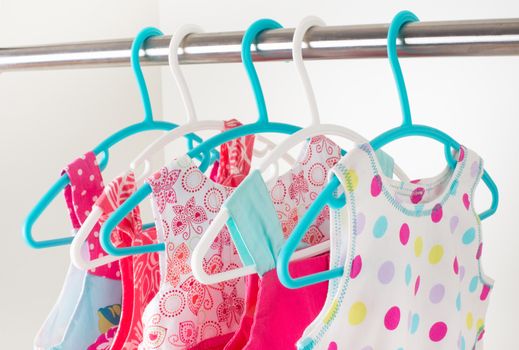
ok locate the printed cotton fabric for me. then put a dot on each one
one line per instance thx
(412, 278)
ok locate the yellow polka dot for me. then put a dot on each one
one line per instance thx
(352, 180)
(357, 313)
(331, 312)
(470, 320)
(480, 324)
(418, 246)
(436, 254)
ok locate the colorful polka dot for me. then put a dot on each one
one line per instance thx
(480, 251)
(376, 185)
(361, 223)
(356, 266)
(474, 168)
(408, 274)
(357, 313)
(468, 236)
(437, 213)
(352, 180)
(461, 343)
(473, 285)
(458, 302)
(437, 293)
(380, 227)
(438, 331)
(455, 265)
(386, 272)
(436, 254)
(470, 320)
(404, 234)
(416, 285)
(480, 324)
(466, 201)
(415, 321)
(417, 195)
(392, 318)
(332, 346)
(484, 293)
(418, 246)
(462, 272)
(454, 223)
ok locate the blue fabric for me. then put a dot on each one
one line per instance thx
(98, 293)
(256, 222)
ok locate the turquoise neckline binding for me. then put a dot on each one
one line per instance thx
(416, 209)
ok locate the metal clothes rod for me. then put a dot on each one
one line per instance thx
(498, 37)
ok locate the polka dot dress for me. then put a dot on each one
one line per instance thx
(412, 278)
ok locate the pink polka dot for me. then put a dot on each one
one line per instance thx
(376, 186)
(437, 331)
(484, 292)
(356, 266)
(481, 335)
(456, 266)
(437, 213)
(417, 195)
(404, 234)
(466, 201)
(332, 346)
(461, 155)
(392, 318)
(480, 250)
(416, 285)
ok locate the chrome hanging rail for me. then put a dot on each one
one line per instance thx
(498, 37)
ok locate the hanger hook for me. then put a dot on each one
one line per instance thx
(246, 56)
(400, 20)
(137, 45)
(174, 66)
(297, 55)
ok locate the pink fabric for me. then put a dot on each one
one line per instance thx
(86, 172)
(292, 193)
(186, 314)
(235, 157)
(139, 274)
(282, 314)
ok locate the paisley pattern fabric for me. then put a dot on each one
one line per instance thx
(412, 275)
(140, 273)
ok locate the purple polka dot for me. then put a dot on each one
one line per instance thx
(437, 293)
(356, 266)
(386, 272)
(462, 272)
(454, 223)
(361, 222)
(437, 331)
(404, 234)
(474, 169)
(392, 318)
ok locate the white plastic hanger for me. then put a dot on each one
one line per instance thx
(193, 124)
(316, 128)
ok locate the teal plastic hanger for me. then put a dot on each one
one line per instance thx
(147, 124)
(327, 196)
(262, 125)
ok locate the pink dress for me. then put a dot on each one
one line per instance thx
(275, 316)
(186, 314)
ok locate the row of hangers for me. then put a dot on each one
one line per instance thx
(205, 152)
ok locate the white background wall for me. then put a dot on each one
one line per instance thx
(49, 118)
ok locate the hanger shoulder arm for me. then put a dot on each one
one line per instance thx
(117, 216)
